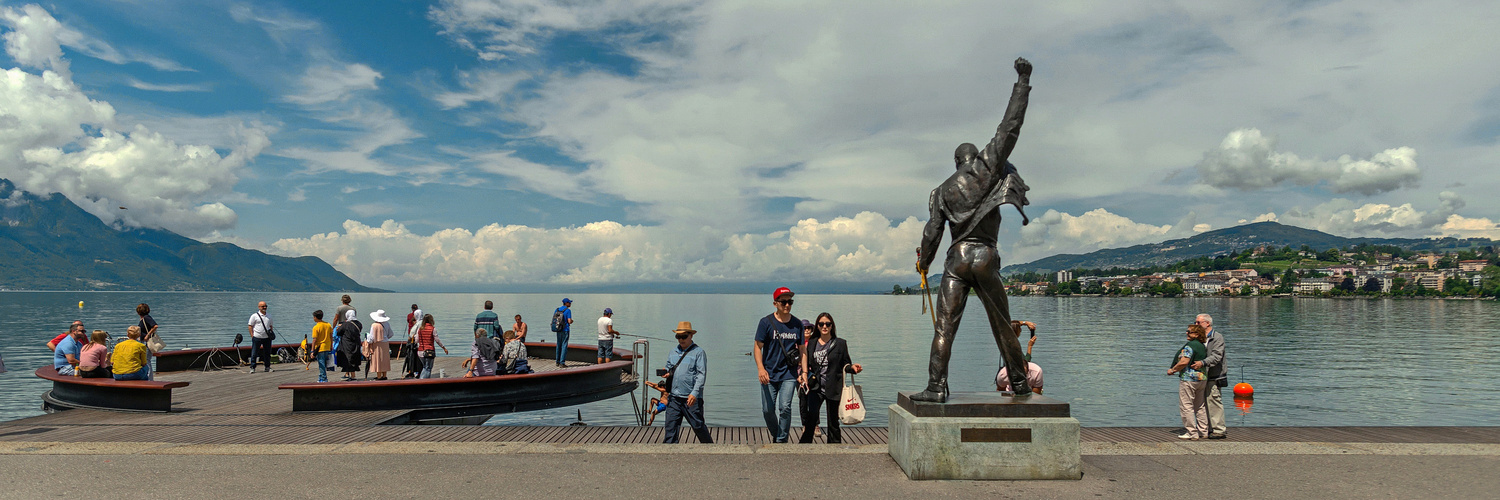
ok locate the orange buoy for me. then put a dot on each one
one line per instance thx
(1243, 390)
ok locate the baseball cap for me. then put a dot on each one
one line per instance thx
(567, 300)
(776, 295)
(609, 311)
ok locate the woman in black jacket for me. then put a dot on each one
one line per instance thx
(351, 338)
(826, 362)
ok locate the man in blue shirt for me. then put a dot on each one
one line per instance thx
(562, 319)
(65, 358)
(687, 370)
(778, 345)
(488, 320)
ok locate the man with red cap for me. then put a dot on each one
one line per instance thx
(778, 348)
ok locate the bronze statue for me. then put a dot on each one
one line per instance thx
(969, 202)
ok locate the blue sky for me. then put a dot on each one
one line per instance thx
(540, 142)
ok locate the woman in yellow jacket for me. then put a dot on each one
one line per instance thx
(131, 357)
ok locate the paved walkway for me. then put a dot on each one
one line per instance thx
(586, 473)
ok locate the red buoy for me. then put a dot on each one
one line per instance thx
(1243, 390)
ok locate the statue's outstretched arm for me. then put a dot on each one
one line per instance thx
(1009, 130)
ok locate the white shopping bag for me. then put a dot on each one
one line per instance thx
(852, 403)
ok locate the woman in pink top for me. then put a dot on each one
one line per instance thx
(93, 358)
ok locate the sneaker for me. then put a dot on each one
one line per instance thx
(252, 370)
(1218, 436)
(1187, 436)
(268, 369)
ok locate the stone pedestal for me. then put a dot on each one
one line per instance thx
(985, 435)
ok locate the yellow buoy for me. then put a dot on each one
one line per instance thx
(80, 304)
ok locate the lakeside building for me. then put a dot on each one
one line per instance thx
(1472, 266)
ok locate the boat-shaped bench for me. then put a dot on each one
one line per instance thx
(106, 393)
(451, 398)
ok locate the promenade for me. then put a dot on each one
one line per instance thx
(560, 470)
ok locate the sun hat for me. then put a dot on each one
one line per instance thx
(379, 316)
(684, 327)
(807, 324)
(776, 295)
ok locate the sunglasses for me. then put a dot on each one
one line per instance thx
(786, 302)
(825, 325)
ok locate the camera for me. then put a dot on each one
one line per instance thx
(661, 372)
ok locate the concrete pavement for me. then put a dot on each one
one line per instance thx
(508, 470)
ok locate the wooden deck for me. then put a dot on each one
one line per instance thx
(233, 407)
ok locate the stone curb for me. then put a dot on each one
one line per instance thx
(504, 448)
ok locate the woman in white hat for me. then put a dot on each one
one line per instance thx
(377, 344)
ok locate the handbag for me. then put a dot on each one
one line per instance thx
(852, 403)
(154, 344)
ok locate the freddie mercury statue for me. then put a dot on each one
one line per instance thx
(969, 203)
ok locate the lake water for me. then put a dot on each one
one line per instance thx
(1312, 361)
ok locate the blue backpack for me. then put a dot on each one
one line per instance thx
(559, 321)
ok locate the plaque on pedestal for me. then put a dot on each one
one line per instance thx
(985, 435)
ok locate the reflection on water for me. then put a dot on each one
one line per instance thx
(1312, 362)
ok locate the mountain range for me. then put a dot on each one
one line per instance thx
(1223, 241)
(50, 243)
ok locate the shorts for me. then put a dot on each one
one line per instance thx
(606, 349)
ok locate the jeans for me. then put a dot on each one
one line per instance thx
(142, 374)
(260, 349)
(562, 346)
(810, 418)
(677, 409)
(66, 370)
(323, 360)
(427, 366)
(776, 405)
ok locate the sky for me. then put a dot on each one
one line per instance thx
(459, 143)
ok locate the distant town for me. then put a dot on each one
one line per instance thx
(1357, 271)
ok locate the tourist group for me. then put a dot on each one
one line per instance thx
(79, 353)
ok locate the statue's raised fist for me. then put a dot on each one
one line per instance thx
(1023, 67)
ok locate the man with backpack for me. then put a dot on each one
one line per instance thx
(778, 348)
(562, 321)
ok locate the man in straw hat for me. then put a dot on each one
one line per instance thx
(687, 369)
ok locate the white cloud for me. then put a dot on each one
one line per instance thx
(1060, 232)
(57, 139)
(840, 118)
(867, 247)
(497, 29)
(334, 82)
(372, 209)
(1346, 218)
(169, 87)
(36, 40)
(1247, 160)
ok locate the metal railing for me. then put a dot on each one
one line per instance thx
(640, 351)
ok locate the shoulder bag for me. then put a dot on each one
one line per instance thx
(852, 404)
(154, 344)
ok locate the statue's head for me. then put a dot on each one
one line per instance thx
(965, 153)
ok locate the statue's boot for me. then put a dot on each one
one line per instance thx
(932, 396)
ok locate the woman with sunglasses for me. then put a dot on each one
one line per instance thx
(826, 362)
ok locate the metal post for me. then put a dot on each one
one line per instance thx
(640, 351)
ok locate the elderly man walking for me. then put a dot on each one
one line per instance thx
(687, 370)
(1216, 377)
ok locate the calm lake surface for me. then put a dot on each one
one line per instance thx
(1312, 361)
